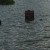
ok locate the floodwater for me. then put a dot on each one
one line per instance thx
(16, 34)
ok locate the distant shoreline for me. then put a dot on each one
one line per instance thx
(7, 2)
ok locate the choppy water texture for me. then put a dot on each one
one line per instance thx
(16, 34)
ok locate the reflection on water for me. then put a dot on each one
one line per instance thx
(16, 34)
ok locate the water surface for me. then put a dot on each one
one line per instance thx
(16, 34)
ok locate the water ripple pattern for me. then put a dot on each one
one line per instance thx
(16, 34)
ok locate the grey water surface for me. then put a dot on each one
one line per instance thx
(16, 34)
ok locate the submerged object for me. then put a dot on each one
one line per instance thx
(29, 15)
(0, 22)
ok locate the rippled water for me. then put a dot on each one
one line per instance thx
(16, 34)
